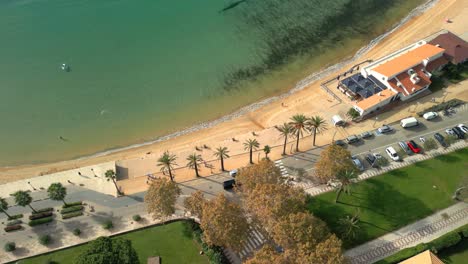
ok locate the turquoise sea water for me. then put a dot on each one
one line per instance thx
(139, 70)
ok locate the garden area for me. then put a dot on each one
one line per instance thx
(457, 254)
(173, 242)
(394, 199)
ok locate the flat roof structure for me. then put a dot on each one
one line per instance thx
(407, 60)
(365, 87)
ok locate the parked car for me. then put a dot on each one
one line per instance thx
(430, 115)
(450, 131)
(422, 139)
(366, 134)
(405, 147)
(409, 122)
(352, 139)
(440, 139)
(463, 128)
(371, 159)
(357, 162)
(233, 173)
(458, 132)
(392, 153)
(385, 129)
(229, 184)
(340, 143)
(413, 146)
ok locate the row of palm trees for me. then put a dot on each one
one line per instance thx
(298, 125)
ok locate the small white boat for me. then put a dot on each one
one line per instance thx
(65, 67)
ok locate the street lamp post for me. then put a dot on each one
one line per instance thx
(376, 119)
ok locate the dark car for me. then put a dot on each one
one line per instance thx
(441, 139)
(352, 139)
(371, 159)
(229, 184)
(340, 143)
(366, 134)
(459, 133)
(413, 146)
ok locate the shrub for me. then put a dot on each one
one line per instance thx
(72, 214)
(40, 215)
(40, 221)
(445, 241)
(136, 218)
(463, 230)
(405, 254)
(13, 217)
(45, 240)
(450, 139)
(9, 246)
(382, 162)
(12, 228)
(42, 210)
(72, 204)
(71, 209)
(430, 144)
(108, 224)
(442, 106)
(76, 231)
(14, 222)
(353, 113)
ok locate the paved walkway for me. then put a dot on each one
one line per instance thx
(422, 231)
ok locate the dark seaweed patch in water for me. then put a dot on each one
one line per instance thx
(287, 29)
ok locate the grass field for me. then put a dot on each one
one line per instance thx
(171, 242)
(395, 199)
(457, 254)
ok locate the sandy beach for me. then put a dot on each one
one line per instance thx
(309, 101)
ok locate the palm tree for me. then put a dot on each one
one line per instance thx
(222, 153)
(267, 150)
(110, 176)
(4, 207)
(23, 198)
(167, 162)
(316, 125)
(285, 130)
(251, 145)
(193, 161)
(349, 226)
(57, 192)
(298, 123)
(345, 178)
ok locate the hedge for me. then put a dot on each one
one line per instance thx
(72, 204)
(9, 246)
(442, 106)
(215, 254)
(40, 215)
(71, 209)
(448, 240)
(12, 228)
(40, 221)
(45, 240)
(13, 217)
(73, 214)
(14, 222)
(42, 210)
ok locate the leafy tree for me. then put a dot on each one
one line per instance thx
(224, 223)
(194, 203)
(267, 255)
(57, 192)
(23, 198)
(167, 163)
(299, 124)
(326, 252)
(353, 113)
(263, 172)
(9, 246)
(430, 144)
(267, 150)
(222, 153)
(333, 161)
(346, 179)
(251, 145)
(4, 206)
(105, 250)
(316, 124)
(285, 130)
(111, 176)
(193, 161)
(161, 197)
(349, 226)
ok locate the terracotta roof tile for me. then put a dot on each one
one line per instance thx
(411, 87)
(455, 47)
(435, 64)
(426, 257)
(407, 60)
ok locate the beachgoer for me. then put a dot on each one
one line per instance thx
(79, 173)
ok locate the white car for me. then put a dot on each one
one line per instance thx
(450, 131)
(463, 128)
(430, 115)
(392, 153)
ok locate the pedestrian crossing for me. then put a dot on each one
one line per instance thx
(255, 240)
(284, 171)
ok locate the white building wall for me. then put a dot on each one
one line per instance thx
(374, 107)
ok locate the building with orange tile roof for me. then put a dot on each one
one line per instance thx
(426, 257)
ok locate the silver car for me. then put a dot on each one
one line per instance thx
(357, 162)
(405, 147)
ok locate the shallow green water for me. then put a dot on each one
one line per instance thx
(140, 69)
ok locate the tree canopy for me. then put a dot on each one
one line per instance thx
(105, 250)
(263, 172)
(161, 197)
(194, 203)
(333, 160)
(57, 192)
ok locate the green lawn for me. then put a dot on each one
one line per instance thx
(172, 242)
(396, 198)
(457, 254)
